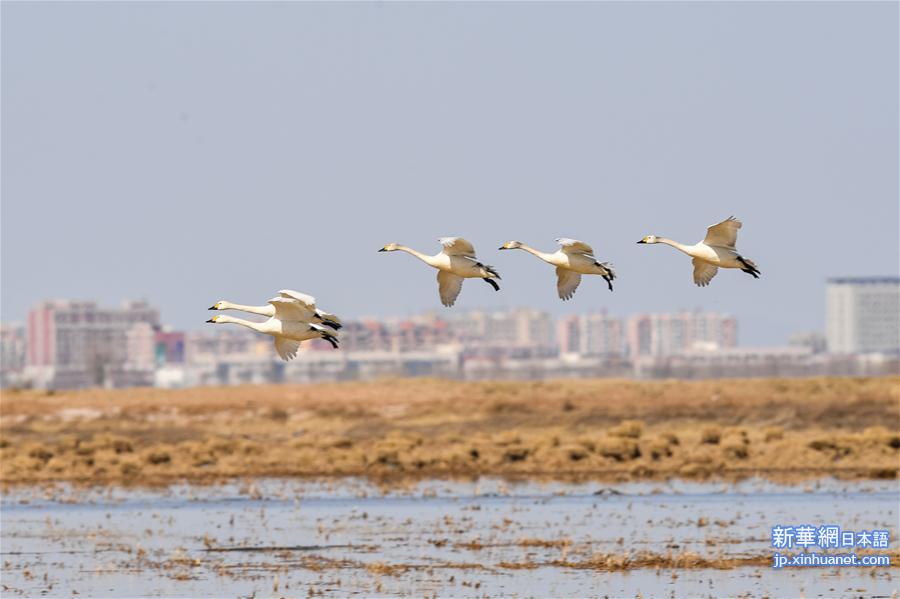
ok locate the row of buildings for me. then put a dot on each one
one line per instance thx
(74, 344)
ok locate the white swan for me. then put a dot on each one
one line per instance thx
(304, 310)
(288, 333)
(715, 251)
(455, 262)
(573, 259)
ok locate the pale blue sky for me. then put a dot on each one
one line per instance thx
(185, 153)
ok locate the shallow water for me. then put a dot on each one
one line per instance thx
(294, 538)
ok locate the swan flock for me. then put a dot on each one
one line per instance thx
(293, 317)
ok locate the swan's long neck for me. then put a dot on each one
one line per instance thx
(678, 246)
(256, 326)
(429, 260)
(543, 256)
(261, 310)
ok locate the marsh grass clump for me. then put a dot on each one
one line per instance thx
(711, 435)
(660, 448)
(736, 450)
(507, 438)
(883, 473)
(736, 435)
(773, 433)
(878, 435)
(587, 443)
(619, 449)
(159, 457)
(388, 457)
(40, 453)
(277, 414)
(629, 429)
(516, 454)
(670, 438)
(695, 470)
(576, 452)
(508, 407)
(837, 447)
(129, 469)
(342, 443)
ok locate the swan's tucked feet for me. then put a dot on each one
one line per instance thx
(330, 323)
(749, 267)
(608, 280)
(492, 283)
(489, 269)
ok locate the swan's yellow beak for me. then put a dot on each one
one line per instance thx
(384, 249)
(213, 319)
(215, 306)
(644, 240)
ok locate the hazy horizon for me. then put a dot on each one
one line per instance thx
(188, 152)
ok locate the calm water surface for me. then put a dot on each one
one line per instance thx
(299, 538)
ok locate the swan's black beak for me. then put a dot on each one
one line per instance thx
(211, 320)
(382, 250)
(212, 308)
(642, 241)
(502, 248)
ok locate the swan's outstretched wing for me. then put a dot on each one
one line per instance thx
(308, 300)
(704, 272)
(449, 286)
(573, 246)
(723, 234)
(457, 246)
(291, 310)
(286, 348)
(567, 282)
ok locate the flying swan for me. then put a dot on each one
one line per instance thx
(304, 309)
(288, 333)
(573, 259)
(454, 263)
(715, 251)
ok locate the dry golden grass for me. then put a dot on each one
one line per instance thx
(600, 429)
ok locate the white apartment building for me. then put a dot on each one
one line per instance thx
(74, 344)
(668, 334)
(862, 314)
(517, 328)
(594, 334)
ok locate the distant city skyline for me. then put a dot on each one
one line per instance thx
(76, 344)
(184, 153)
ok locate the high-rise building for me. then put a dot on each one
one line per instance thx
(169, 347)
(516, 328)
(594, 334)
(78, 344)
(862, 314)
(12, 353)
(668, 334)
